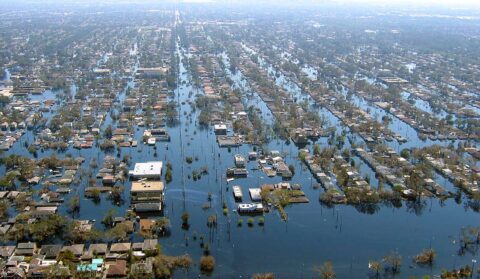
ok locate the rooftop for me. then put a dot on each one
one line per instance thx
(147, 169)
(142, 186)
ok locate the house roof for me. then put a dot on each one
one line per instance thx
(98, 248)
(146, 224)
(119, 268)
(51, 251)
(148, 206)
(149, 244)
(76, 249)
(6, 251)
(26, 245)
(120, 247)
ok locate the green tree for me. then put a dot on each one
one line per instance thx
(108, 218)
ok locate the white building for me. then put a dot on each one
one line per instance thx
(151, 170)
(239, 161)
(220, 129)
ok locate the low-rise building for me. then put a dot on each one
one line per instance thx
(147, 196)
(149, 170)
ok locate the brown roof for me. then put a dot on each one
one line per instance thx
(146, 224)
(98, 248)
(76, 249)
(119, 268)
(120, 247)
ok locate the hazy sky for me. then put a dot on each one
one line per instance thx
(459, 4)
(450, 3)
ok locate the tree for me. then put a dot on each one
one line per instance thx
(326, 270)
(67, 258)
(376, 266)
(108, 132)
(65, 133)
(207, 264)
(47, 228)
(116, 195)
(164, 266)
(74, 205)
(168, 173)
(394, 260)
(405, 153)
(57, 271)
(185, 218)
(3, 209)
(291, 168)
(95, 195)
(108, 218)
(161, 226)
(427, 256)
(263, 276)
(118, 233)
(139, 271)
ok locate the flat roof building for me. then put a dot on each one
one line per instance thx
(220, 129)
(147, 192)
(155, 72)
(151, 170)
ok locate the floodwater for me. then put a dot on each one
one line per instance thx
(346, 235)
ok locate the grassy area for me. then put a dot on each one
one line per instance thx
(281, 198)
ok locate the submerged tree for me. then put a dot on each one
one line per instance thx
(394, 261)
(427, 256)
(207, 264)
(376, 267)
(185, 218)
(263, 276)
(326, 270)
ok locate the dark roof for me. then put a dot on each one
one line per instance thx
(98, 248)
(120, 247)
(148, 207)
(76, 249)
(51, 251)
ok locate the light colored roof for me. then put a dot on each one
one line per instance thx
(149, 244)
(147, 169)
(220, 126)
(255, 193)
(144, 186)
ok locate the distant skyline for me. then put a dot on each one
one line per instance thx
(454, 4)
